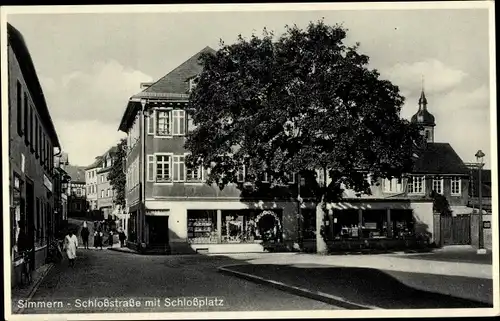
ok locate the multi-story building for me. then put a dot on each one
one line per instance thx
(105, 192)
(100, 193)
(172, 207)
(32, 141)
(61, 178)
(76, 191)
(91, 183)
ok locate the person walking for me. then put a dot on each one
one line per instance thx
(98, 239)
(110, 238)
(85, 235)
(122, 237)
(70, 245)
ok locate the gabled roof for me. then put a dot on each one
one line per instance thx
(438, 158)
(77, 173)
(20, 49)
(176, 81)
(173, 86)
(96, 163)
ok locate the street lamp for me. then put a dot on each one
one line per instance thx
(479, 157)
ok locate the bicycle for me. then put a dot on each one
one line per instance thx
(26, 273)
(55, 252)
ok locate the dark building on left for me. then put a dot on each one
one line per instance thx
(33, 143)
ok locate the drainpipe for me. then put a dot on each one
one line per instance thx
(143, 166)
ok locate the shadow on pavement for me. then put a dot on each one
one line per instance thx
(365, 286)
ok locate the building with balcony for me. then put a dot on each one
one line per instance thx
(32, 144)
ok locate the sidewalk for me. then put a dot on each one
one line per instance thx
(374, 281)
(25, 293)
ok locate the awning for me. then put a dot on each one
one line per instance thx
(464, 210)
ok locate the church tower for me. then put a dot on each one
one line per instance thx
(424, 118)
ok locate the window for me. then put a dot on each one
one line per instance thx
(416, 185)
(392, 186)
(32, 129)
(108, 193)
(192, 83)
(194, 174)
(179, 122)
(163, 168)
(456, 186)
(44, 149)
(40, 134)
(290, 177)
(437, 185)
(19, 97)
(151, 168)
(190, 124)
(36, 137)
(26, 119)
(178, 168)
(163, 123)
(102, 193)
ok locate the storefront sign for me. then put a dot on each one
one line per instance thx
(47, 183)
(487, 224)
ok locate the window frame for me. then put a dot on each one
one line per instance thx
(395, 186)
(441, 183)
(201, 173)
(20, 109)
(167, 182)
(412, 192)
(157, 114)
(26, 119)
(459, 179)
(179, 120)
(176, 168)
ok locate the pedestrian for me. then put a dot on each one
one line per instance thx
(98, 239)
(110, 238)
(85, 235)
(70, 245)
(122, 237)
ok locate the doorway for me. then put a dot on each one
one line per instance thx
(158, 230)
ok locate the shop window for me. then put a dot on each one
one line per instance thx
(375, 224)
(202, 226)
(345, 224)
(247, 226)
(402, 223)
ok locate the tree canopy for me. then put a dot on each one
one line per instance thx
(116, 175)
(296, 103)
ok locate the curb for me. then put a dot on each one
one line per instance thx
(35, 288)
(315, 295)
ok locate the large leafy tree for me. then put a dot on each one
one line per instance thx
(298, 103)
(116, 175)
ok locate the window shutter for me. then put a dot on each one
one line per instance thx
(150, 123)
(151, 168)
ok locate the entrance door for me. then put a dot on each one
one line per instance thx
(30, 217)
(158, 230)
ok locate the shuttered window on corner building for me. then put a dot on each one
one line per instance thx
(151, 123)
(19, 102)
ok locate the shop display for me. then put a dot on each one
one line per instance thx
(200, 230)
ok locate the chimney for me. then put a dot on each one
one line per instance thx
(145, 85)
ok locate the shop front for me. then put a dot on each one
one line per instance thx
(223, 227)
(377, 224)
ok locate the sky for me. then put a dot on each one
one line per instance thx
(89, 65)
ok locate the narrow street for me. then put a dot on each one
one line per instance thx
(101, 274)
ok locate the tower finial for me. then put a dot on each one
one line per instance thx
(422, 82)
(422, 102)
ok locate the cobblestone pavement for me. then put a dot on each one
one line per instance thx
(119, 277)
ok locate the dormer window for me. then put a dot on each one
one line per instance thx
(192, 83)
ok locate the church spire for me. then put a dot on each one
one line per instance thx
(422, 102)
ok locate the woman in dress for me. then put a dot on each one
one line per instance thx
(70, 244)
